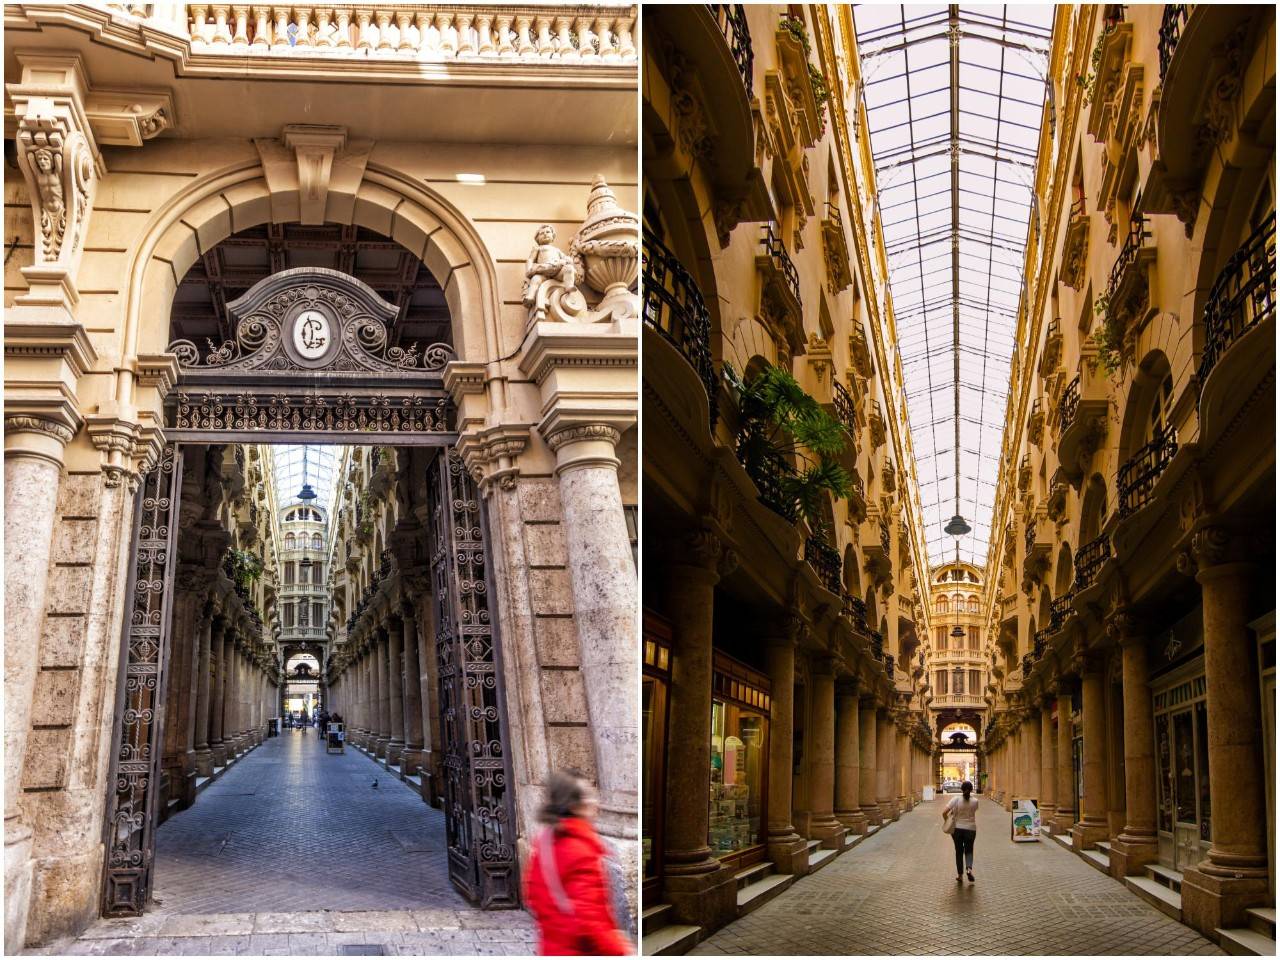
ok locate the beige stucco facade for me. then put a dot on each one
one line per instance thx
(139, 137)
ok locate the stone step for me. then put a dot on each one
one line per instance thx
(654, 918)
(851, 840)
(1104, 846)
(1099, 859)
(1156, 894)
(872, 828)
(1262, 920)
(1168, 876)
(750, 875)
(1064, 839)
(670, 941)
(811, 845)
(1243, 942)
(762, 891)
(820, 858)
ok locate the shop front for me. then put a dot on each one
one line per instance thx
(739, 762)
(654, 698)
(1181, 717)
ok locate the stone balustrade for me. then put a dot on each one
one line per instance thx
(579, 34)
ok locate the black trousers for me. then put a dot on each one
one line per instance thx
(963, 839)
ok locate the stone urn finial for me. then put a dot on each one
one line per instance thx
(608, 247)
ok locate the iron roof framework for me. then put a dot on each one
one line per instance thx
(322, 473)
(954, 98)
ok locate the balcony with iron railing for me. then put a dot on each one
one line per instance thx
(1242, 299)
(1138, 475)
(732, 20)
(1089, 560)
(1082, 415)
(889, 665)
(836, 246)
(1059, 610)
(767, 468)
(780, 287)
(1069, 404)
(856, 610)
(674, 308)
(1127, 282)
(845, 411)
(1172, 23)
(825, 561)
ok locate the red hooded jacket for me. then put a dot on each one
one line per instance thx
(589, 928)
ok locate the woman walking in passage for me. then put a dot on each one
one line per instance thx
(965, 811)
(568, 884)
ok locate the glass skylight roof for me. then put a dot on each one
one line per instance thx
(955, 242)
(322, 472)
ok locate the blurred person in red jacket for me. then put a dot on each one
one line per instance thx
(569, 885)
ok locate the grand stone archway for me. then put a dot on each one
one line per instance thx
(310, 356)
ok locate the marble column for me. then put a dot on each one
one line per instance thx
(1032, 746)
(700, 890)
(848, 763)
(1065, 815)
(821, 823)
(867, 739)
(1092, 825)
(1233, 877)
(203, 755)
(1048, 769)
(218, 670)
(395, 691)
(1136, 845)
(32, 475)
(884, 766)
(382, 699)
(602, 576)
(904, 770)
(786, 848)
(414, 751)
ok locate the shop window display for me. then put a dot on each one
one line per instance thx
(738, 755)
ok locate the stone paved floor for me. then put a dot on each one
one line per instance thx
(895, 893)
(292, 852)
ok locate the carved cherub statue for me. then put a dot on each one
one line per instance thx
(548, 268)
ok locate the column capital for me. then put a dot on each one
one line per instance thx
(41, 435)
(1123, 628)
(1211, 546)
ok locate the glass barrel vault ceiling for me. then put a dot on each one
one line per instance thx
(991, 127)
(322, 472)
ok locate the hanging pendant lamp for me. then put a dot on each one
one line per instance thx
(306, 494)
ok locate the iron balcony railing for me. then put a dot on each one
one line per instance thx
(673, 306)
(767, 468)
(1138, 474)
(825, 560)
(856, 611)
(1069, 404)
(858, 487)
(1058, 610)
(1079, 207)
(775, 248)
(1030, 534)
(1089, 560)
(888, 665)
(1171, 26)
(1243, 296)
(732, 19)
(877, 645)
(844, 408)
(1133, 242)
(1038, 645)
(833, 214)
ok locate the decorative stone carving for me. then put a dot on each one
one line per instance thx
(551, 278)
(57, 161)
(607, 253)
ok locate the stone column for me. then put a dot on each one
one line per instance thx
(904, 770)
(848, 763)
(786, 848)
(1136, 845)
(867, 739)
(395, 691)
(1065, 815)
(218, 669)
(203, 755)
(1233, 877)
(884, 766)
(382, 700)
(1032, 747)
(821, 822)
(33, 451)
(1092, 825)
(602, 575)
(699, 889)
(1048, 768)
(414, 752)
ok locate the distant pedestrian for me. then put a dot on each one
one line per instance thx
(964, 809)
(567, 882)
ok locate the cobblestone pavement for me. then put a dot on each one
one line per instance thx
(896, 893)
(293, 852)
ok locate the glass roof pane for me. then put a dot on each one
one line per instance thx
(1002, 55)
(321, 471)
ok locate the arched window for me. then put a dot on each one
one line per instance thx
(943, 605)
(1161, 409)
(290, 541)
(316, 542)
(957, 680)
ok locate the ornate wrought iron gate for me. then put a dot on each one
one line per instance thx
(138, 734)
(479, 808)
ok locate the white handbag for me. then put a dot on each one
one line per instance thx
(949, 821)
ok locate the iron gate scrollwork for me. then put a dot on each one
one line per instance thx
(131, 822)
(479, 799)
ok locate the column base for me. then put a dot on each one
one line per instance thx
(1130, 854)
(395, 749)
(411, 760)
(1210, 902)
(1086, 833)
(872, 813)
(18, 868)
(379, 747)
(904, 804)
(888, 810)
(219, 752)
(1064, 822)
(708, 900)
(203, 760)
(789, 854)
(854, 822)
